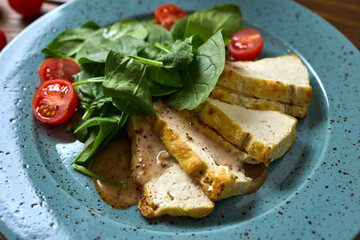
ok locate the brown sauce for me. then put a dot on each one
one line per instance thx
(150, 157)
(190, 128)
(114, 162)
(258, 173)
(186, 126)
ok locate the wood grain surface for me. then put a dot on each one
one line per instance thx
(342, 14)
(12, 22)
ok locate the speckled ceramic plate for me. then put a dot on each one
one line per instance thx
(311, 193)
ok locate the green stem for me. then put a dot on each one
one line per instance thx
(104, 109)
(87, 113)
(148, 61)
(95, 175)
(90, 80)
(161, 47)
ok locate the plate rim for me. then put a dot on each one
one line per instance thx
(12, 44)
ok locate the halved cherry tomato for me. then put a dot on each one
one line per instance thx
(27, 8)
(166, 15)
(3, 41)
(55, 68)
(246, 44)
(54, 101)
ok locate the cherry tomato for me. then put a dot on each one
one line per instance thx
(55, 68)
(54, 101)
(2, 40)
(27, 8)
(246, 44)
(166, 15)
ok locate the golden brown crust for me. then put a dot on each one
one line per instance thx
(269, 89)
(214, 117)
(233, 97)
(217, 182)
(146, 207)
(214, 136)
(212, 182)
(149, 210)
(152, 203)
(233, 132)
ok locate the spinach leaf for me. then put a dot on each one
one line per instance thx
(177, 55)
(129, 105)
(90, 71)
(76, 121)
(87, 93)
(102, 131)
(158, 90)
(179, 27)
(91, 25)
(68, 43)
(98, 107)
(164, 77)
(96, 57)
(84, 158)
(150, 52)
(89, 96)
(157, 33)
(95, 49)
(129, 27)
(202, 74)
(205, 23)
(196, 41)
(125, 81)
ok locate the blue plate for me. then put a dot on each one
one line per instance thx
(311, 193)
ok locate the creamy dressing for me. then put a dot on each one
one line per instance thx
(183, 124)
(150, 157)
(114, 162)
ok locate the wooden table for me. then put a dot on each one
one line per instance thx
(343, 14)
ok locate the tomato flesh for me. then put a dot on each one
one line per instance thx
(54, 101)
(3, 41)
(55, 68)
(166, 15)
(246, 44)
(27, 8)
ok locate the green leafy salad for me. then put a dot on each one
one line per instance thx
(129, 64)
